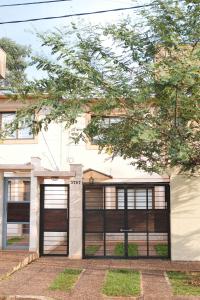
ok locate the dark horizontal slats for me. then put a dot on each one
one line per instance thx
(18, 212)
(114, 220)
(94, 221)
(161, 220)
(55, 220)
(126, 221)
(137, 220)
(94, 199)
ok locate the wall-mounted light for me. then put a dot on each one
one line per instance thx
(91, 179)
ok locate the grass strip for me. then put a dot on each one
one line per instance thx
(120, 250)
(121, 283)
(91, 249)
(185, 284)
(14, 240)
(161, 249)
(65, 280)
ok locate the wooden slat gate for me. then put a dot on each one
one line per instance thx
(126, 220)
(54, 219)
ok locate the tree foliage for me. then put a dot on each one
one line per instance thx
(16, 63)
(149, 71)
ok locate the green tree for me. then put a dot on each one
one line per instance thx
(150, 71)
(16, 63)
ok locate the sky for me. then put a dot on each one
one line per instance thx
(23, 33)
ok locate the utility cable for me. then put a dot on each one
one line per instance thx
(78, 14)
(52, 157)
(31, 3)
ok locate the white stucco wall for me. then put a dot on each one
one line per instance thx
(56, 149)
(48, 146)
(81, 153)
(185, 218)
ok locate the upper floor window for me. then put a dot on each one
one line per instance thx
(22, 133)
(106, 122)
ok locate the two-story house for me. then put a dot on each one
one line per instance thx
(62, 198)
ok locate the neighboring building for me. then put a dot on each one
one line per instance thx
(62, 198)
(2, 63)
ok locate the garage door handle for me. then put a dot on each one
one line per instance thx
(126, 230)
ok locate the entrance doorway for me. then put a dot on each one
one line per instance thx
(17, 213)
(54, 219)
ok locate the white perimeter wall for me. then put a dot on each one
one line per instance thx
(185, 218)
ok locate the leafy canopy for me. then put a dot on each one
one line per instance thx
(16, 63)
(149, 71)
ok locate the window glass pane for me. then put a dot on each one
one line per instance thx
(18, 190)
(130, 198)
(160, 197)
(105, 122)
(24, 133)
(110, 120)
(110, 197)
(7, 118)
(120, 197)
(114, 120)
(140, 195)
(96, 139)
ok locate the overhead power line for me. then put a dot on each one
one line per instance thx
(78, 14)
(31, 3)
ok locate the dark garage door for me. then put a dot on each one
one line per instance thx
(126, 221)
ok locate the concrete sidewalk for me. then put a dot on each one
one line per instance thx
(35, 278)
(11, 261)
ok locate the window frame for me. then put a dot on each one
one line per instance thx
(16, 137)
(92, 141)
(135, 202)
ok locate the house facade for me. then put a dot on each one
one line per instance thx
(62, 198)
(2, 63)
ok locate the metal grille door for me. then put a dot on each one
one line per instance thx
(54, 221)
(17, 213)
(126, 221)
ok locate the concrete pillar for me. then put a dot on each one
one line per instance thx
(35, 207)
(185, 217)
(1, 208)
(36, 163)
(75, 213)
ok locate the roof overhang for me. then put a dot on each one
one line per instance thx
(54, 174)
(15, 167)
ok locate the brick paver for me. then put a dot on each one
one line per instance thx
(155, 286)
(10, 259)
(89, 285)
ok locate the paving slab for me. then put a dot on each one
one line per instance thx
(155, 286)
(89, 285)
(13, 260)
